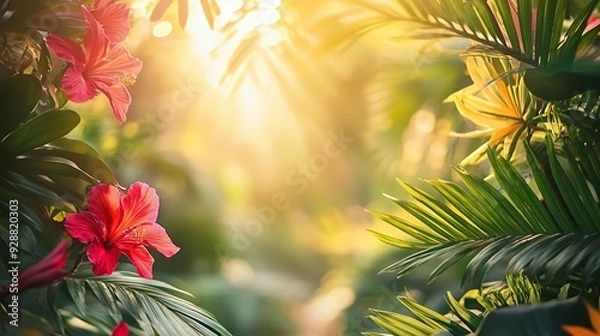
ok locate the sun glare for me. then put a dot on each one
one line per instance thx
(249, 109)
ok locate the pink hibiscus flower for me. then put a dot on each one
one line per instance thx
(115, 224)
(100, 66)
(113, 18)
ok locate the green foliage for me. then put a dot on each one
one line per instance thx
(538, 215)
(536, 318)
(553, 238)
(516, 290)
(40, 165)
(156, 307)
(41, 169)
(533, 34)
(19, 95)
(44, 176)
(554, 57)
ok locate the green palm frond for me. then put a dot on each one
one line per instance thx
(530, 31)
(157, 307)
(549, 231)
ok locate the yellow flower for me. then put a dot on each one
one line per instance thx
(581, 331)
(496, 100)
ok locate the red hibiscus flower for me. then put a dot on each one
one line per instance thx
(45, 272)
(113, 18)
(100, 66)
(121, 329)
(115, 224)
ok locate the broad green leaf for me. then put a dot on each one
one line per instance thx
(50, 166)
(32, 189)
(39, 131)
(19, 96)
(26, 215)
(86, 157)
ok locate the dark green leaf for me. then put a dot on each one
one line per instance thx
(19, 96)
(542, 319)
(39, 131)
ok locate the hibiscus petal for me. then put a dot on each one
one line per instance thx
(104, 201)
(84, 227)
(119, 64)
(156, 236)
(119, 99)
(152, 235)
(114, 19)
(141, 259)
(104, 260)
(66, 49)
(121, 329)
(95, 41)
(77, 88)
(101, 3)
(140, 205)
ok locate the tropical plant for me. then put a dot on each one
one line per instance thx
(536, 215)
(57, 191)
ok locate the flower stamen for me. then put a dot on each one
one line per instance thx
(126, 79)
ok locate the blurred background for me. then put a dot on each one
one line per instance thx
(267, 139)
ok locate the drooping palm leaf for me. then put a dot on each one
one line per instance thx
(553, 236)
(157, 307)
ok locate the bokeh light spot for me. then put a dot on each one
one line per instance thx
(162, 29)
